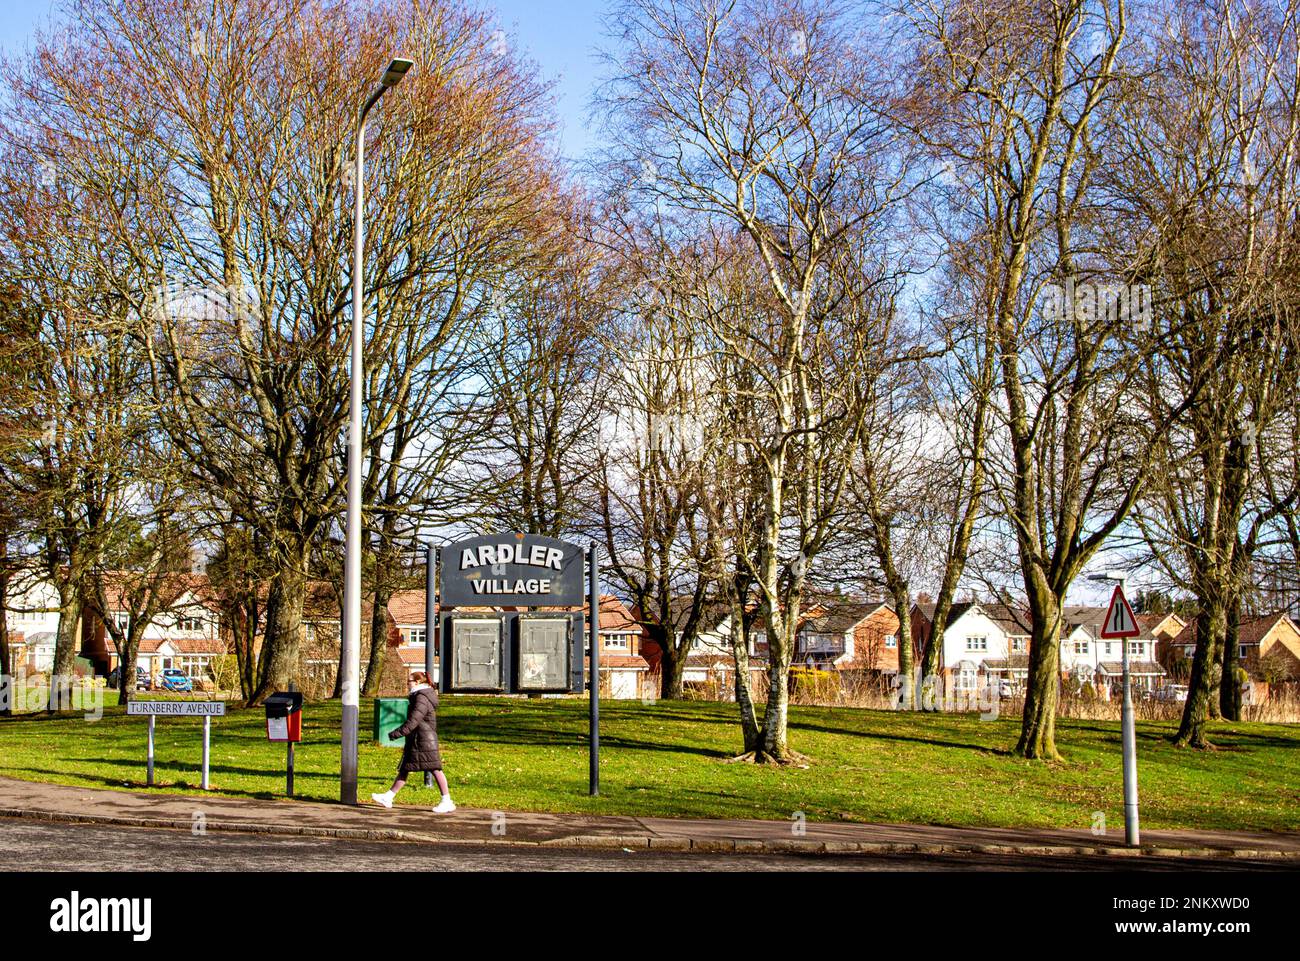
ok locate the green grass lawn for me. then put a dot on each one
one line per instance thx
(669, 759)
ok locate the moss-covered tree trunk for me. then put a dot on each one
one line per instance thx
(1038, 726)
(283, 642)
(1211, 623)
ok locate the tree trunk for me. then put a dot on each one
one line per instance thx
(1038, 727)
(283, 640)
(744, 690)
(65, 647)
(906, 668)
(127, 652)
(773, 745)
(1210, 624)
(1230, 685)
(6, 672)
(379, 635)
(672, 667)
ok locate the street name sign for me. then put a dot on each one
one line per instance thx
(177, 708)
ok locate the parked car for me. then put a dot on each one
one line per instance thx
(1009, 688)
(141, 678)
(1172, 693)
(174, 679)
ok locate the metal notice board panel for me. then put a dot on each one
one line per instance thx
(544, 653)
(477, 663)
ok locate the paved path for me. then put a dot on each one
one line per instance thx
(50, 802)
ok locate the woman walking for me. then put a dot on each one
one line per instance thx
(421, 751)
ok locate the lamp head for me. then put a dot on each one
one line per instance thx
(395, 72)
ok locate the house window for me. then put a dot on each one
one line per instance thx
(1135, 649)
(195, 666)
(966, 679)
(977, 643)
(190, 624)
(891, 641)
(309, 630)
(1018, 645)
(123, 621)
(1108, 648)
(616, 642)
(1080, 647)
(415, 635)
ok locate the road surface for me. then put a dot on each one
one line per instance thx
(28, 845)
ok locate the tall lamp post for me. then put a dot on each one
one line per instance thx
(1128, 731)
(350, 662)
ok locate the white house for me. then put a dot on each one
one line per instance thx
(1087, 657)
(32, 617)
(989, 641)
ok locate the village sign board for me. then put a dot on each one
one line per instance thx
(512, 570)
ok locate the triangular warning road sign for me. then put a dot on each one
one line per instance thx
(1120, 619)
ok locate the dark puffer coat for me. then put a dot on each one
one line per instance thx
(421, 733)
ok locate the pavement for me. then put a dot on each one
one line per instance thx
(476, 826)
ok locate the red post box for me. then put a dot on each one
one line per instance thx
(284, 716)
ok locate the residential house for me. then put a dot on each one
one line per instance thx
(186, 635)
(1271, 636)
(406, 609)
(980, 641)
(32, 617)
(624, 673)
(1087, 657)
(842, 634)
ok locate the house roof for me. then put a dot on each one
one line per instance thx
(623, 662)
(407, 607)
(413, 656)
(1090, 620)
(714, 612)
(1169, 624)
(1252, 630)
(183, 645)
(1116, 668)
(615, 616)
(841, 617)
(1255, 629)
(1012, 621)
(1016, 662)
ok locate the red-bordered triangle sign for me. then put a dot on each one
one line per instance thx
(1120, 619)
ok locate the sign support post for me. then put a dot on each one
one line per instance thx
(149, 761)
(1122, 624)
(593, 632)
(151, 709)
(430, 621)
(207, 746)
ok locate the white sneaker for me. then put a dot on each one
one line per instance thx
(445, 806)
(384, 800)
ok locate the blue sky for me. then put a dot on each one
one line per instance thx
(561, 36)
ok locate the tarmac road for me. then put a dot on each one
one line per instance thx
(30, 845)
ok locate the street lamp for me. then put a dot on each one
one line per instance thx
(1128, 732)
(350, 662)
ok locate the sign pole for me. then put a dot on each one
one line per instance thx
(1128, 731)
(207, 746)
(149, 763)
(430, 621)
(1121, 624)
(593, 632)
(288, 789)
